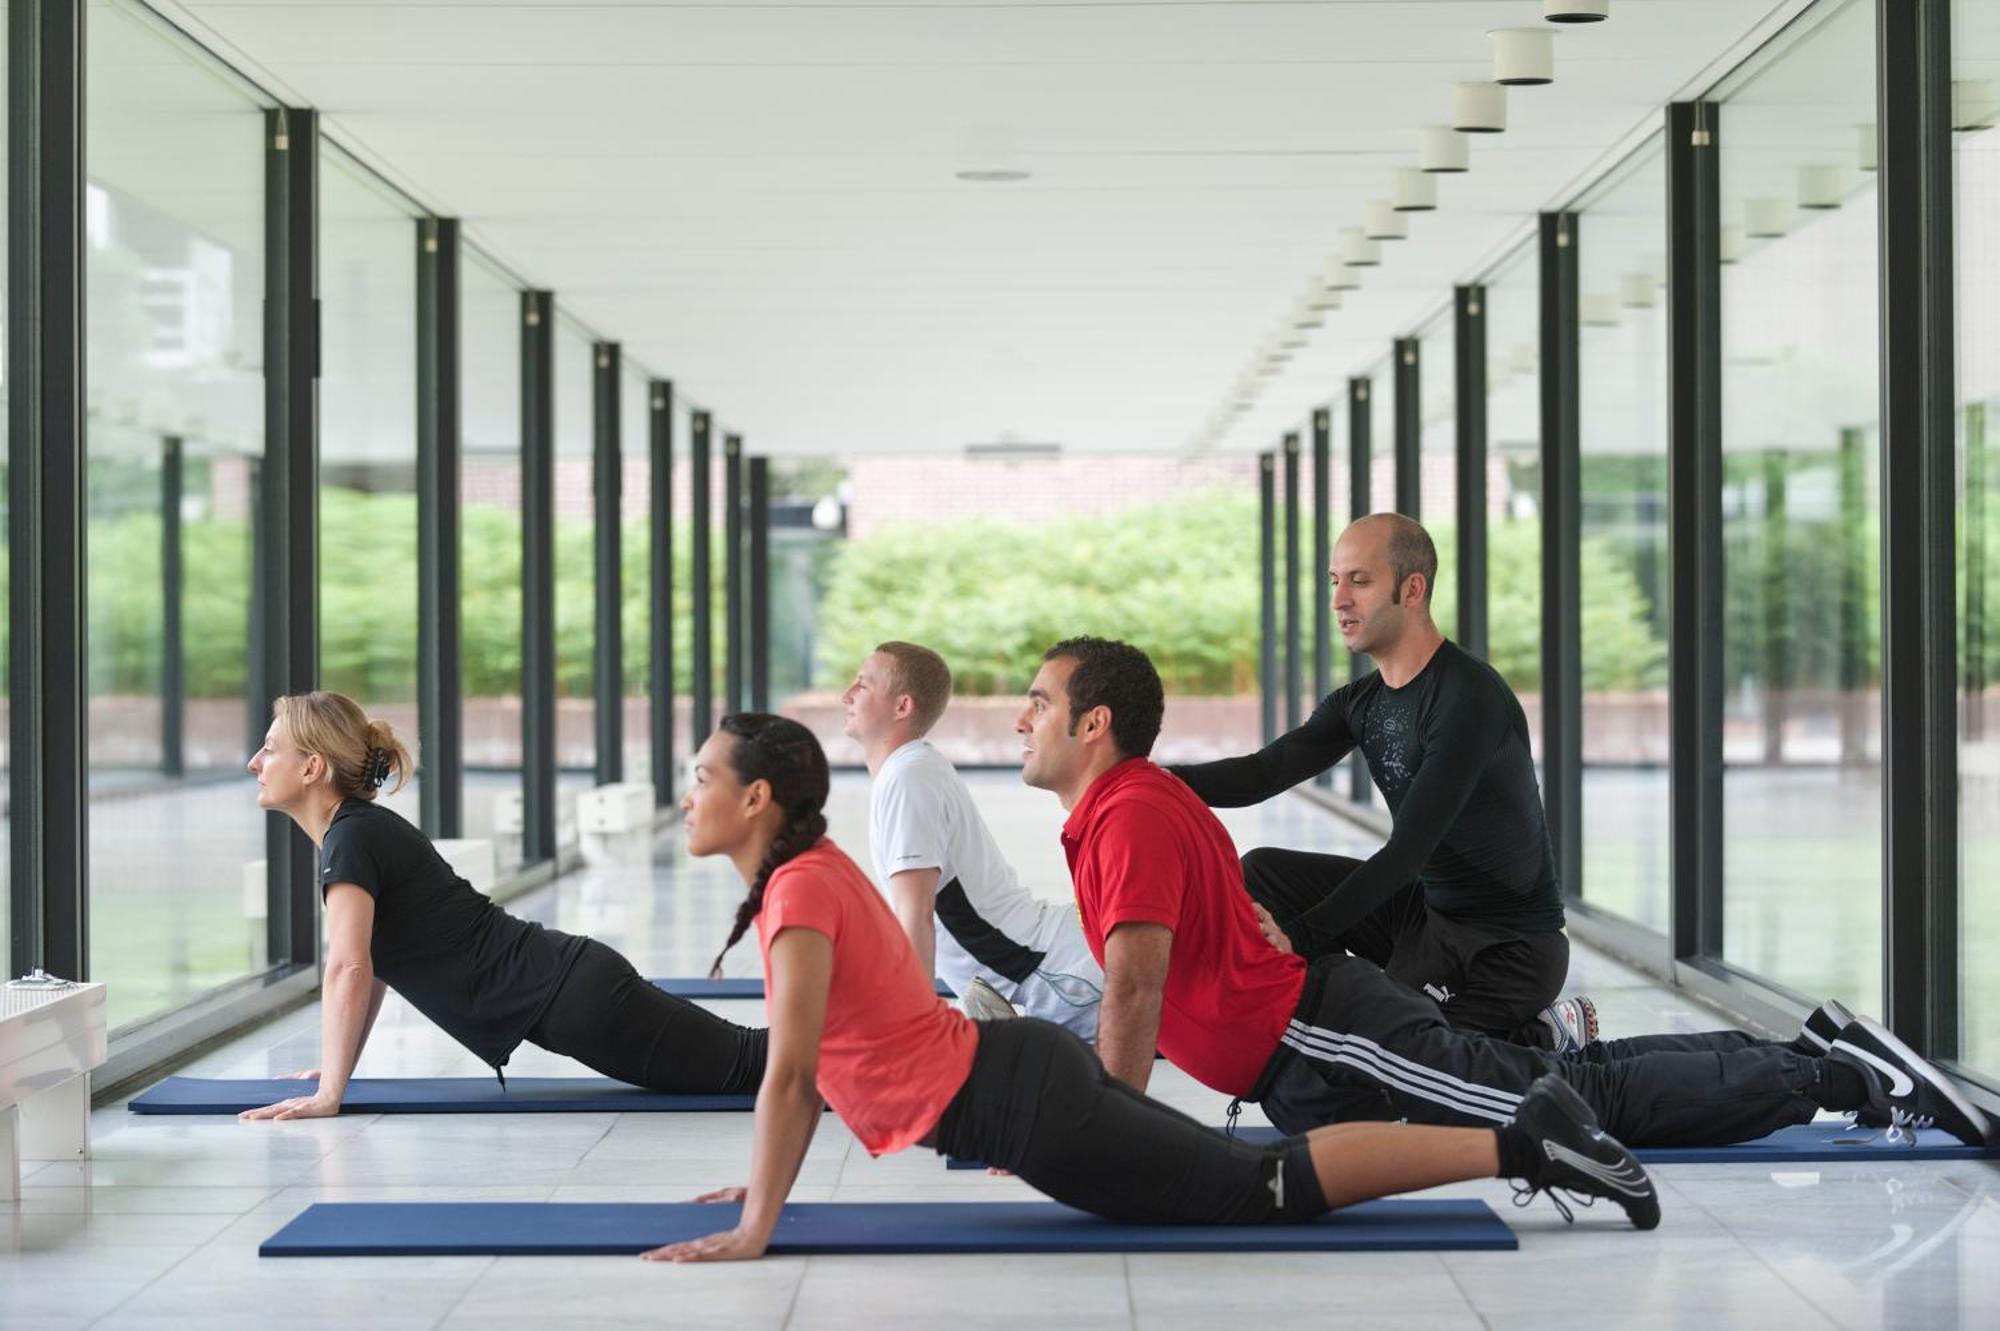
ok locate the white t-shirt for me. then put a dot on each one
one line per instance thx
(921, 816)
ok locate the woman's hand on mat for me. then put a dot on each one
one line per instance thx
(1273, 935)
(724, 1195)
(299, 1106)
(731, 1245)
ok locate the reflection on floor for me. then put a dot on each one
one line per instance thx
(161, 1228)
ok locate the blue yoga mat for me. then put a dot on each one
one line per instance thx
(1804, 1144)
(435, 1095)
(700, 986)
(515, 1229)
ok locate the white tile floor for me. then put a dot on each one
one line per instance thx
(161, 1228)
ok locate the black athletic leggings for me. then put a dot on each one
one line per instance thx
(1040, 1104)
(609, 1018)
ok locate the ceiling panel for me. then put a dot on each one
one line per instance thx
(761, 200)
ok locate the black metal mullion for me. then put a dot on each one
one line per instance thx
(1562, 677)
(1293, 682)
(607, 492)
(440, 650)
(660, 455)
(1694, 528)
(1468, 345)
(702, 593)
(538, 577)
(173, 594)
(732, 573)
(1360, 497)
(1919, 643)
(1409, 427)
(290, 496)
(47, 484)
(1322, 539)
(760, 584)
(1267, 621)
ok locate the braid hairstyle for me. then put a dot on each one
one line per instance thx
(779, 750)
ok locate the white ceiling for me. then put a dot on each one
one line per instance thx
(759, 199)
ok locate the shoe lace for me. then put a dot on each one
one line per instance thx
(1902, 1126)
(1524, 1193)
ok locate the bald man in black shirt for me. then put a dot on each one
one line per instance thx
(1462, 902)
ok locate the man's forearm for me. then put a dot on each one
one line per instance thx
(1128, 1032)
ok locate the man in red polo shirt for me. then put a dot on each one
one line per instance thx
(1188, 971)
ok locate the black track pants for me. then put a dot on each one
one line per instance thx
(1361, 1046)
(1040, 1104)
(1486, 977)
(606, 1016)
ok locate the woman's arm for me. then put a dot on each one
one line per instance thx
(788, 1103)
(349, 998)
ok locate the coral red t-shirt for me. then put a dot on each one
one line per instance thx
(1144, 849)
(892, 1053)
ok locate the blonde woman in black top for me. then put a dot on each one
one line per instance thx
(398, 917)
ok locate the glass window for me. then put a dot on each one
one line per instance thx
(636, 566)
(1438, 439)
(1514, 481)
(368, 449)
(174, 233)
(490, 550)
(1381, 437)
(576, 567)
(1802, 794)
(1622, 360)
(1976, 72)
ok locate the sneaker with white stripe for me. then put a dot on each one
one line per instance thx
(1572, 1023)
(1822, 1027)
(1573, 1155)
(1905, 1091)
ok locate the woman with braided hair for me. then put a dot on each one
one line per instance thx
(856, 1020)
(397, 916)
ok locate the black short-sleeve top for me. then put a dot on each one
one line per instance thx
(479, 973)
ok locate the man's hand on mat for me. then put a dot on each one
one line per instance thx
(299, 1106)
(1273, 935)
(310, 1074)
(724, 1195)
(732, 1245)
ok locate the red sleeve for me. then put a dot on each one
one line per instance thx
(1141, 866)
(794, 899)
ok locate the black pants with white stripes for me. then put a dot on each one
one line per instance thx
(1361, 1046)
(1486, 977)
(1039, 1103)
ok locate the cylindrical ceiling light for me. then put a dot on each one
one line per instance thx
(1380, 221)
(1819, 186)
(1576, 11)
(1340, 277)
(1975, 103)
(1439, 150)
(1864, 146)
(1764, 219)
(1305, 313)
(1356, 250)
(1523, 57)
(1479, 108)
(1635, 291)
(1598, 311)
(1325, 297)
(1414, 192)
(1731, 244)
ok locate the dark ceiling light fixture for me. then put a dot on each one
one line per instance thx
(1576, 11)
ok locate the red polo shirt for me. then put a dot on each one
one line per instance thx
(1143, 848)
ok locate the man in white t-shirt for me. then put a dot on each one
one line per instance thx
(969, 918)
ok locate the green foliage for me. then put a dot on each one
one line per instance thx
(1179, 579)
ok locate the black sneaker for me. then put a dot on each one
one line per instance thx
(1572, 1154)
(1905, 1091)
(1822, 1027)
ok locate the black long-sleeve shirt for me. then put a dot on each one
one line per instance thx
(1449, 752)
